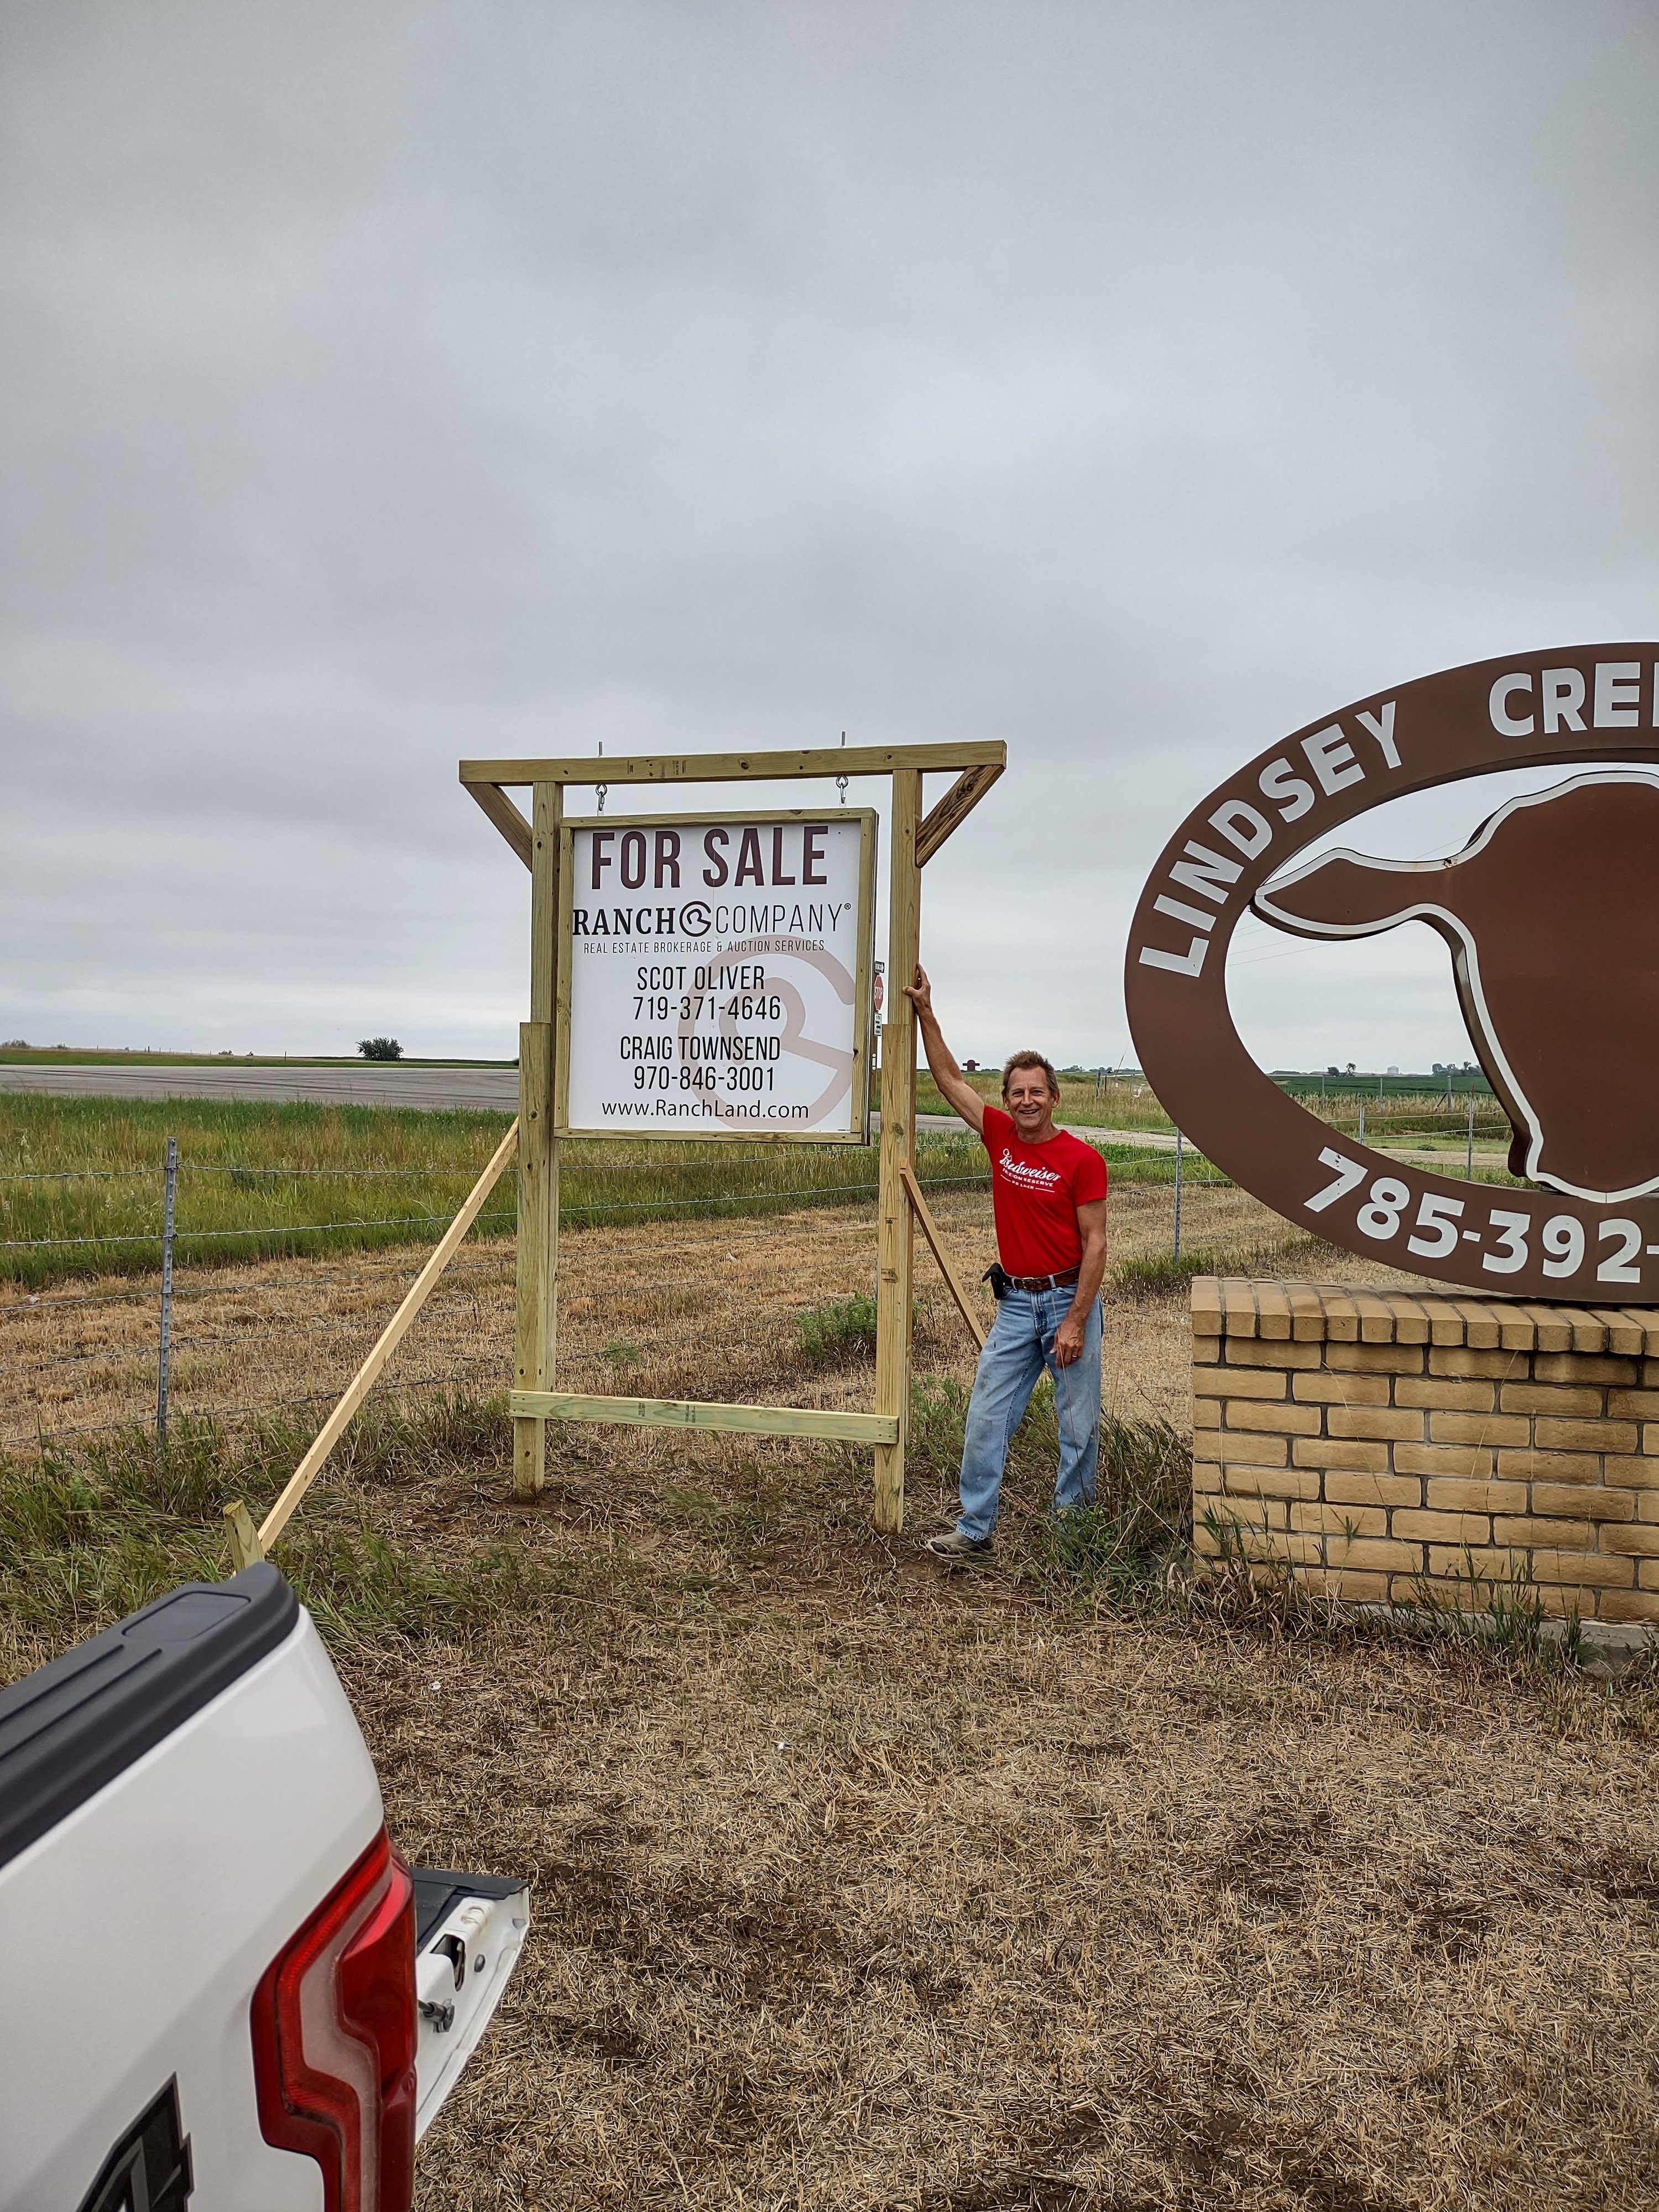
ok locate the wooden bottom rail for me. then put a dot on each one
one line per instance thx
(691, 1414)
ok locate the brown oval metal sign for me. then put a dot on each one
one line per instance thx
(1551, 917)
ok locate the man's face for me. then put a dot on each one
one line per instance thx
(1029, 1100)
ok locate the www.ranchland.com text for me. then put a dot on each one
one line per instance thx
(703, 1109)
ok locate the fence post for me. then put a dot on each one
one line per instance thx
(1469, 1157)
(1179, 1140)
(164, 1360)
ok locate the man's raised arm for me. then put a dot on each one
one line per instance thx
(954, 1087)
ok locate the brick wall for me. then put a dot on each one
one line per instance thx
(1378, 1442)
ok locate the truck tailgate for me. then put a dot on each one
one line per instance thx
(469, 1931)
(182, 1797)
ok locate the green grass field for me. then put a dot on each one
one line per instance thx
(81, 1185)
(87, 1171)
(1121, 1105)
(1416, 1118)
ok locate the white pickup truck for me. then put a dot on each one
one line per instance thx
(219, 1977)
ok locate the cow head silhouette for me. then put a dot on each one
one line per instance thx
(1552, 913)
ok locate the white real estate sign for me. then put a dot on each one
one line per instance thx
(717, 969)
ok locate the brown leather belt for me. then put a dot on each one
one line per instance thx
(1045, 1282)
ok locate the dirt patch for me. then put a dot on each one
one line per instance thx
(863, 1886)
(694, 1309)
(862, 1905)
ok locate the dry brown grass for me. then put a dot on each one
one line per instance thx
(703, 1308)
(861, 1886)
(896, 1895)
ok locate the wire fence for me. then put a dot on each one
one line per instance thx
(685, 1293)
(105, 1220)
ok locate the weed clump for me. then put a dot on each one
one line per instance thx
(1236, 1585)
(836, 1334)
(1163, 1273)
(1127, 1547)
(91, 1532)
(1124, 1547)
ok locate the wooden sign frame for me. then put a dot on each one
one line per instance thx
(858, 1134)
(912, 840)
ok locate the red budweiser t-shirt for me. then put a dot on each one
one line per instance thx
(1035, 1191)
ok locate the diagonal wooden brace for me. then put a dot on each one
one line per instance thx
(507, 818)
(364, 1380)
(954, 808)
(246, 1549)
(930, 1231)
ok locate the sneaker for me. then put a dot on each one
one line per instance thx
(955, 1548)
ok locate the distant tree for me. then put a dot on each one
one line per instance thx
(381, 1048)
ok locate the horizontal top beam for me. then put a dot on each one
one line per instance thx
(734, 767)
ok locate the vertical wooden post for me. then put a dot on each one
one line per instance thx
(164, 1354)
(535, 1120)
(895, 1227)
(548, 984)
(538, 1154)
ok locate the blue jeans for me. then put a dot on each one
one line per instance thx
(1020, 1345)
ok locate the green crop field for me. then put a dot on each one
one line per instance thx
(1396, 1108)
(80, 1186)
(1121, 1104)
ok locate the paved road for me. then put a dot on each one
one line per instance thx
(432, 1089)
(381, 1083)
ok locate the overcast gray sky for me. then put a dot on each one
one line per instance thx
(388, 383)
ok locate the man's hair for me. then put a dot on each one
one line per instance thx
(1029, 1060)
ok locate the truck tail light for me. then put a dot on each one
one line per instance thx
(334, 2038)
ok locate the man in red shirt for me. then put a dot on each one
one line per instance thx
(1048, 1195)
